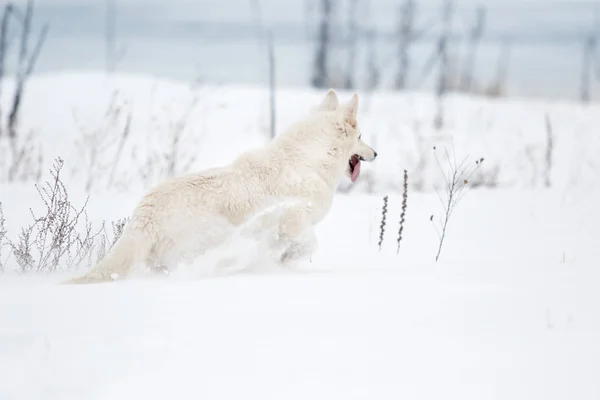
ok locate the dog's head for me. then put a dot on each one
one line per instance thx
(349, 137)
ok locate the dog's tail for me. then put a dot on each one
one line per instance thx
(130, 249)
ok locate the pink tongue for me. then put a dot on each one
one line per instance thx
(355, 171)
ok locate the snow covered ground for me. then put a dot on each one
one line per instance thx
(511, 310)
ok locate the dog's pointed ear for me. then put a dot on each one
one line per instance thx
(330, 102)
(350, 109)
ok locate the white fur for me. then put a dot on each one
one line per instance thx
(306, 162)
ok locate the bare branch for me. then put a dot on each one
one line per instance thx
(8, 9)
(26, 64)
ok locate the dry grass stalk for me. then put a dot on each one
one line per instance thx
(3, 241)
(52, 241)
(403, 213)
(383, 218)
(456, 180)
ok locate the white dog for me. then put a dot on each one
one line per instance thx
(307, 162)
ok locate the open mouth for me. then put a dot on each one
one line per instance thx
(354, 164)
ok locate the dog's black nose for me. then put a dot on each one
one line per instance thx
(374, 154)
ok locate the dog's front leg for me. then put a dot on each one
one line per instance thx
(299, 249)
(296, 235)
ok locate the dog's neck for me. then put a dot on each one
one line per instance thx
(304, 150)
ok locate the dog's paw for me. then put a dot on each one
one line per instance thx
(295, 255)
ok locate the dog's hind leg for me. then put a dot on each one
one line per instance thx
(164, 257)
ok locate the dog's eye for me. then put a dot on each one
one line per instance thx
(359, 136)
